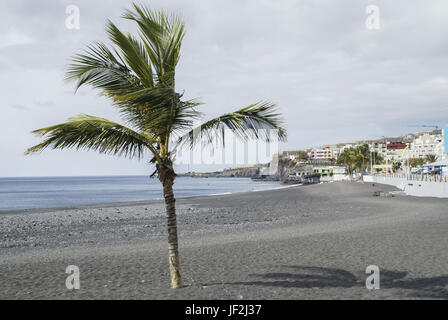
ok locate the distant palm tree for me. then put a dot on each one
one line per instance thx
(138, 75)
(358, 158)
(348, 158)
(430, 158)
(415, 162)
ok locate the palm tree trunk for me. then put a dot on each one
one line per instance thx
(166, 176)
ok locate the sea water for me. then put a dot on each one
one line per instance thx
(53, 192)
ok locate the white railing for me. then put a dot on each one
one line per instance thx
(415, 177)
(414, 185)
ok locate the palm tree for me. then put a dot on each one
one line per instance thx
(430, 158)
(357, 158)
(416, 162)
(137, 74)
(348, 158)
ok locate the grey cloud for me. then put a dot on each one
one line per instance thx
(333, 79)
(19, 107)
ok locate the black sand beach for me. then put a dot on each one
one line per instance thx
(306, 242)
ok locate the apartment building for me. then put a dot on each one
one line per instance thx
(426, 144)
(324, 153)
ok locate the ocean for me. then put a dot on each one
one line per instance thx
(55, 192)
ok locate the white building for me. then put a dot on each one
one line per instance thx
(426, 144)
(380, 148)
(347, 146)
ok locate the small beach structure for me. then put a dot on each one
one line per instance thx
(436, 168)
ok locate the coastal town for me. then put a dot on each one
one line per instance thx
(423, 154)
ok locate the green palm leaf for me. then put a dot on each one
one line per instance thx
(251, 122)
(99, 67)
(93, 133)
(134, 54)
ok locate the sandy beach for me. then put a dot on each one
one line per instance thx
(304, 242)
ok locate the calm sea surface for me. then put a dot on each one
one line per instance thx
(53, 192)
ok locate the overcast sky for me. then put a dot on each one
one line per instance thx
(334, 79)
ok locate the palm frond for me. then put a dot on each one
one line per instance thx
(162, 35)
(93, 133)
(252, 122)
(100, 67)
(158, 110)
(139, 76)
(134, 53)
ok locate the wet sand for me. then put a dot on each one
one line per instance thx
(306, 242)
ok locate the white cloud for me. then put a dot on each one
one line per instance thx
(13, 38)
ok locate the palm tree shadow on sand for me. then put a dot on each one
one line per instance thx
(318, 277)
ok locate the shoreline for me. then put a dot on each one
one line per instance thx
(131, 203)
